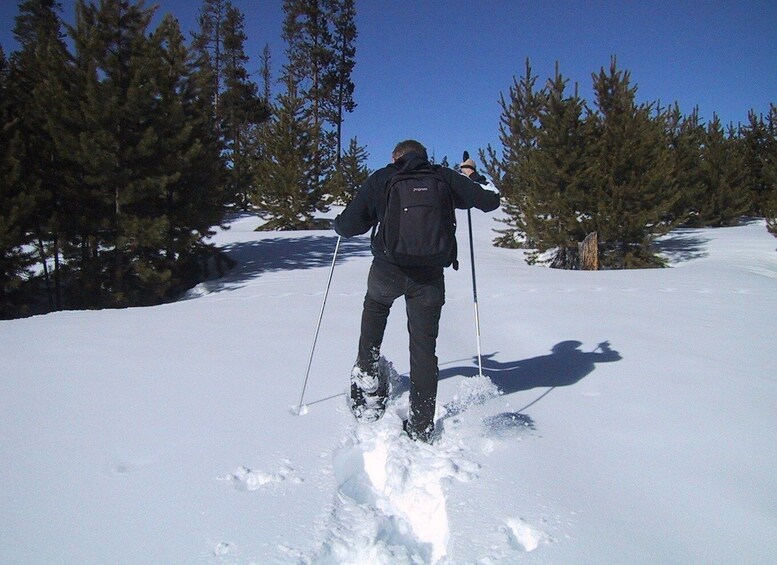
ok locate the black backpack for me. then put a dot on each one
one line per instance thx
(418, 227)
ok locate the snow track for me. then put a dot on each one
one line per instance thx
(390, 504)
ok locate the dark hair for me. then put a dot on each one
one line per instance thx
(409, 146)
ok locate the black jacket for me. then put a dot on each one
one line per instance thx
(366, 209)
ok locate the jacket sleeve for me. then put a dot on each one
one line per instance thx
(470, 194)
(361, 213)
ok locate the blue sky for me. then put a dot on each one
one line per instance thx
(434, 70)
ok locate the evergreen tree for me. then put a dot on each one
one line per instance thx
(685, 135)
(288, 194)
(208, 44)
(149, 154)
(237, 108)
(41, 80)
(349, 174)
(188, 163)
(726, 197)
(118, 143)
(16, 206)
(557, 214)
(633, 186)
(241, 106)
(82, 219)
(339, 76)
(266, 72)
(518, 131)
(770, 169)
(755, 145)
(310, 53)
(255, 149)
(311, 56)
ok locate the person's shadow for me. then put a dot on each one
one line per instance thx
(565, 366)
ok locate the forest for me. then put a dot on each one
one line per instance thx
(626, 171)
(123, 146)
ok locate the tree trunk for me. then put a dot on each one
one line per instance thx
(42, 253)
(589, 252)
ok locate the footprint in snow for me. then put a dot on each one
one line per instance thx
(390, 505)
(508, 424)
(523, 536)
(247, 480)
(125, 467)
(223, 548)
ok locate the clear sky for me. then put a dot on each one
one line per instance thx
(434, 70)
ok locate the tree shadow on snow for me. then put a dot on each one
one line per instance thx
(254, 258)
(682, 245)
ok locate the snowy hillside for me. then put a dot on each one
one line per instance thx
(630, 417)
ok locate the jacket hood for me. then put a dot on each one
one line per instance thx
(411, 161)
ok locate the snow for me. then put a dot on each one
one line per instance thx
(625, 417)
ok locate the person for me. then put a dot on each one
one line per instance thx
(423, 287)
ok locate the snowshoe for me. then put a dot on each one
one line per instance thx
(369, 393)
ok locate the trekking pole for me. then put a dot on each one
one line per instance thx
(474, 283)
(475, 293)
(318, 325)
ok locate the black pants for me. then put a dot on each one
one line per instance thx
(424, 293)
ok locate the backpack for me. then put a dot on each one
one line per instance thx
(418, 227)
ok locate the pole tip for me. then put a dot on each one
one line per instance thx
(299, 410)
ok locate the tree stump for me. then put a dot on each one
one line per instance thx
(589, 252)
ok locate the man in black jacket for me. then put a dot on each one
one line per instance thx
(422, 287)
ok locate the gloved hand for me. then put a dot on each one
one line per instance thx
(468, 167)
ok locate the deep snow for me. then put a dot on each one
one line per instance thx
(629, 417)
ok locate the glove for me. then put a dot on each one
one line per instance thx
(468, 167)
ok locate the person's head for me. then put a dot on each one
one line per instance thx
(567, 347)
(409, 146)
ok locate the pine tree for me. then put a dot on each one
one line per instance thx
(188, 163)
(208, 44)
(16, 206)
(755, 142)
(119, 141)
(633, 186)
(310, 53)
(343, 15)
(518, 130)
(287, 192)
(685, 135)
(726, 196)
(349, 174)
(237, 107)
(41, 79)
(311, 56)
(255, 149)
(82, 219)
(266, 72)
(556, 210)
(770, 169)
(241, 106)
